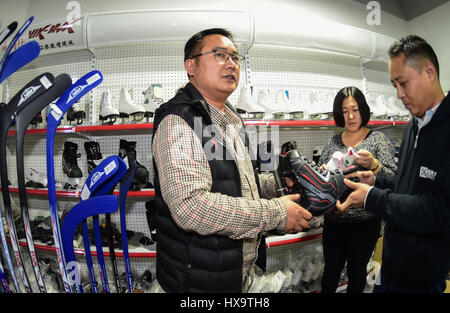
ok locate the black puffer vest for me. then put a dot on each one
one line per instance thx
(187, 261)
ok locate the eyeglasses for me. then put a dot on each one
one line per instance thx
(222, 56)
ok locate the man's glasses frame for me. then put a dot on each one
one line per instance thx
(222, 56)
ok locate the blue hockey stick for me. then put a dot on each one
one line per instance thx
(11, 62)
(101, 181)
(81, 87)
(79, 213)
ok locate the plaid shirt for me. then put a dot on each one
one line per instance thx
(185, 181)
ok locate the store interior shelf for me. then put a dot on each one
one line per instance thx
(135, 253)
(76, 193)
(43, 131)
(275, 241)
(271, 241)
(148, 127)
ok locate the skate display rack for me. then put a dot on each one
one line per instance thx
(123, 128)
(149, 193)
(136, 66)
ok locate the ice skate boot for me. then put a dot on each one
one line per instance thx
(152, 99)
(246, 107)
(70, 164)
(36, 179)
(294, 105)
(37, 119)
(93, 153)
(141, 177)
(108, 114)
(379, 108)
(76, 113)
(127, 107)
(266, 102)
(282, 103)
(315, 108)
(401, 113)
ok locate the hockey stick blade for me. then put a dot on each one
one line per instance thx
(80, 212)
(19, 58)
(21, 99)
(16, 37)
(7, 32)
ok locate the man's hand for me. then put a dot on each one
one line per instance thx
(356, 198)
(297, 217)
(365, 177)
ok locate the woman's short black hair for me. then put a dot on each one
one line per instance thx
(363, 107)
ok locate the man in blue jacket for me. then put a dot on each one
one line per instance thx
(415, 204)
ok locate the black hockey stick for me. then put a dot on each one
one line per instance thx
(25, 96)
(23, 119)
(7, 32)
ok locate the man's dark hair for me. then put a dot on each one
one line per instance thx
(195, 44)
(363, 107)
(416, 51)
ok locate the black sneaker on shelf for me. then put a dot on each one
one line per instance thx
(319, 189)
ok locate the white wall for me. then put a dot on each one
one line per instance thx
(342, 11)
(13, 10)
(433, 27)
(430, 25)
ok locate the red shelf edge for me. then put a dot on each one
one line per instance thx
(148, 126)
(76, 193)
(293, 240)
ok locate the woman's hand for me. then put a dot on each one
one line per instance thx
(365, 159)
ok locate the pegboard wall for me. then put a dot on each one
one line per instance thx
(136, 66)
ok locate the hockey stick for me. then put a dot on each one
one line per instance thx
(57, 111)
(104, 190)
(7, 31)
(125, 185)
(11, 62)
(23, 119)
(79, 213)
(102, 181)
(27, 94)
(125, 175)
(3, 279)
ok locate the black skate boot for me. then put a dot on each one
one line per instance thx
(92, 153)
(77, 116)
(319, 189)
(141, 177)
(70, 164)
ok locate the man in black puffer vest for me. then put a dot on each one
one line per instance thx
(415, 203)
(210, 213)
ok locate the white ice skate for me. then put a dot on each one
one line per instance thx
(153, 98)
(108, 114)
(128, 108)
(36, 179)
(246, 107)
(402, 113)
(266, 102)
